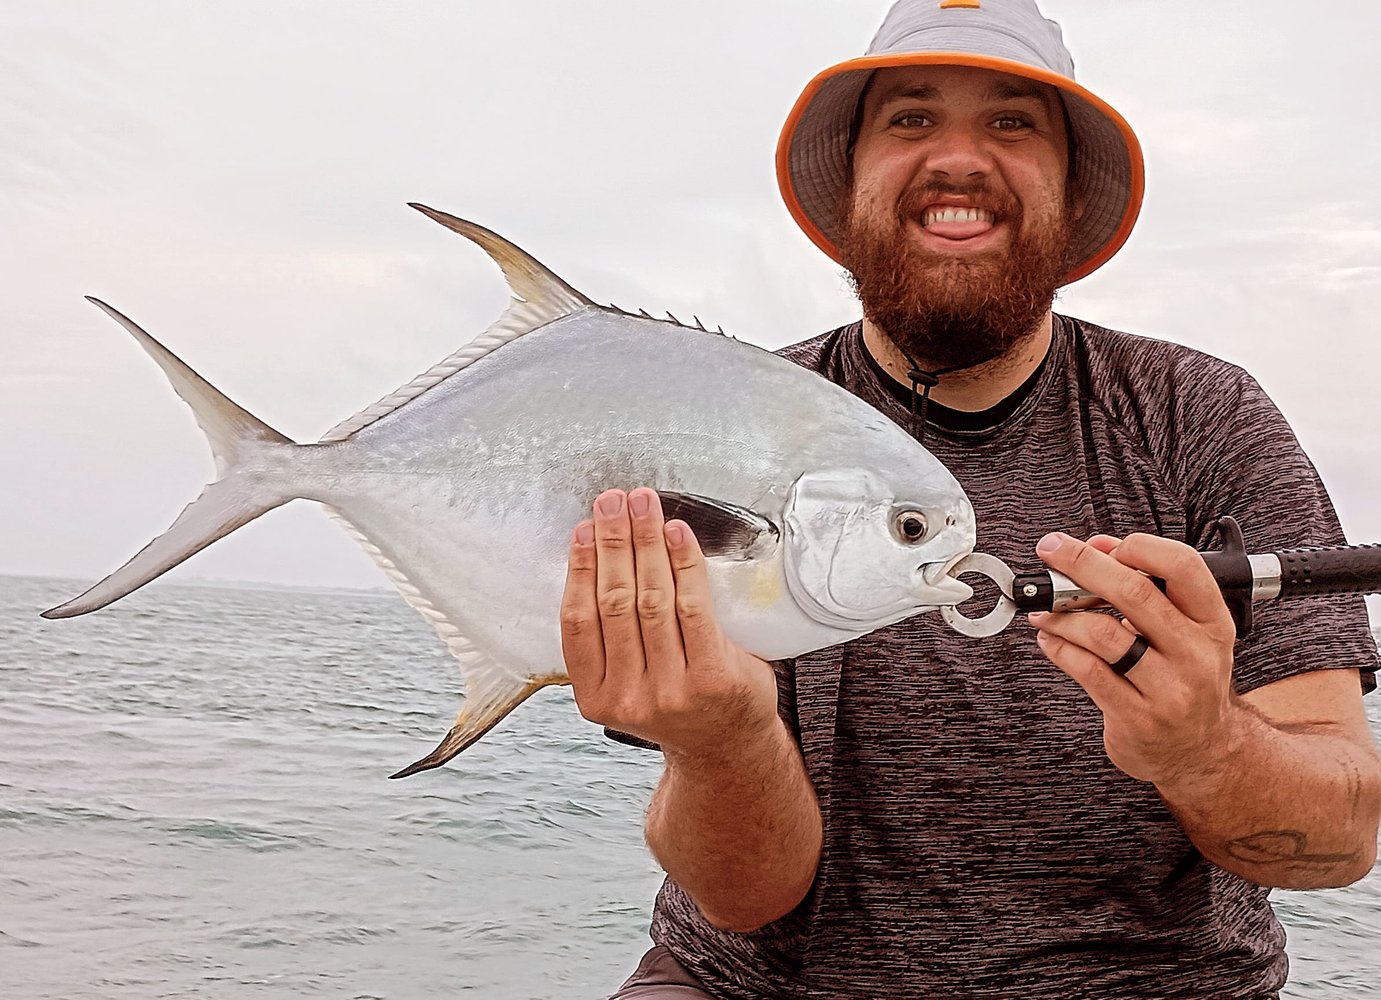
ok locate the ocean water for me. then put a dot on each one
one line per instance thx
(193, 803)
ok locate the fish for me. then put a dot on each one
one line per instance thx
(821, 519)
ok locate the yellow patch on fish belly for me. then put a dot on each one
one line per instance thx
(765, 588)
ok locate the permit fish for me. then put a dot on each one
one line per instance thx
(821, 519)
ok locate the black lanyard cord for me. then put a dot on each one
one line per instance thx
(922, 382)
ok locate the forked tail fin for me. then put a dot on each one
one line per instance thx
(240, 443)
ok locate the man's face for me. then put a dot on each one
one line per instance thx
(958, 221)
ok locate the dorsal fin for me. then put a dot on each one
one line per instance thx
(539, 298)
(671, 319)
(527, 276)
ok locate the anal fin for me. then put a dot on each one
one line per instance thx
(482, 711)
(491, 690)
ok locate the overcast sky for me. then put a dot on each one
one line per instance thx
(233, 176)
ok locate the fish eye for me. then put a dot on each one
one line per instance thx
(911, 525)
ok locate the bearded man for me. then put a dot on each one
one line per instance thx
(914, 814)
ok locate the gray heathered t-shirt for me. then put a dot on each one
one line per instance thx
(978, 841)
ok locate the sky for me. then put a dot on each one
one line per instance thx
(234, 177)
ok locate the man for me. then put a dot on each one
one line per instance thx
(915, 814)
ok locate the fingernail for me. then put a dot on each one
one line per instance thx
(639, 504)
(676, 535)
(1042, 639)
(1051, 543)
(585, 532)
(1037, 618)
(610, 503)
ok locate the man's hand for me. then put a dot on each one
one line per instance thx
(1174, 713)
(641, 643)
(1281, 786)
(734, 820)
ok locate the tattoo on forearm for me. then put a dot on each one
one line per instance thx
(1282, 847)
(1355, 784)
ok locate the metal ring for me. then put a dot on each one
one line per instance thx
(1132, 657)
(1003, 611)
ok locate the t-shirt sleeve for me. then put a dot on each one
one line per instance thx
(1252, 467)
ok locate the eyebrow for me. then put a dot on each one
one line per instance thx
(1015, 91)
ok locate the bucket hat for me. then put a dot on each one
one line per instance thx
(1009, 36)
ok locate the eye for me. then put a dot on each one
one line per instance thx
(911, 119)
(911, 526)
(1011, 123)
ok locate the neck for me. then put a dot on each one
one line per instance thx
(972, 389)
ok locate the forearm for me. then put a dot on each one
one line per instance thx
(1292, 807)
(735, 820)
(739, 829)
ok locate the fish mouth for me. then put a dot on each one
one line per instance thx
(942, 589)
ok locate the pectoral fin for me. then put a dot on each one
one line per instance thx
(723, 529)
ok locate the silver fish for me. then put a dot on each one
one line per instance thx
(822, 520)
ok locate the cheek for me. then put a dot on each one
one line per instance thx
(873, 206)
(883, 176)
(872, 569)
(1040, 186)
(1041, 207)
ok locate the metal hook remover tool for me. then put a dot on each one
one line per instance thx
(1243, 579)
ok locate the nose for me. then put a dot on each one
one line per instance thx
(958, 152)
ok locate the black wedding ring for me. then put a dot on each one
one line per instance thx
(1132, 657)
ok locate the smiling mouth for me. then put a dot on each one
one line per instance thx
(952, 222)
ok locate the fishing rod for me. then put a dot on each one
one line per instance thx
(1243, 578)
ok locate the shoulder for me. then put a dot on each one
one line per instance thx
(1158, 390)
(1125, 368)
(1209, 430)
(819, 354)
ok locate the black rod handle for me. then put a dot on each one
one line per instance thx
(1343, 569)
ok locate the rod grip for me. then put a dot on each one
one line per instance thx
(1344, 569)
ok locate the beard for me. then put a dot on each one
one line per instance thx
(954, 312)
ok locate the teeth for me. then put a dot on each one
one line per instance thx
(935, 215)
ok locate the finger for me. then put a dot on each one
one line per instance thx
(617, 590)
(661, 631)
(1115, 696)
(1100, 634)
(582, 639)
(1132, 593)
(1105, 543)
(1189, 583)
(700, 634)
